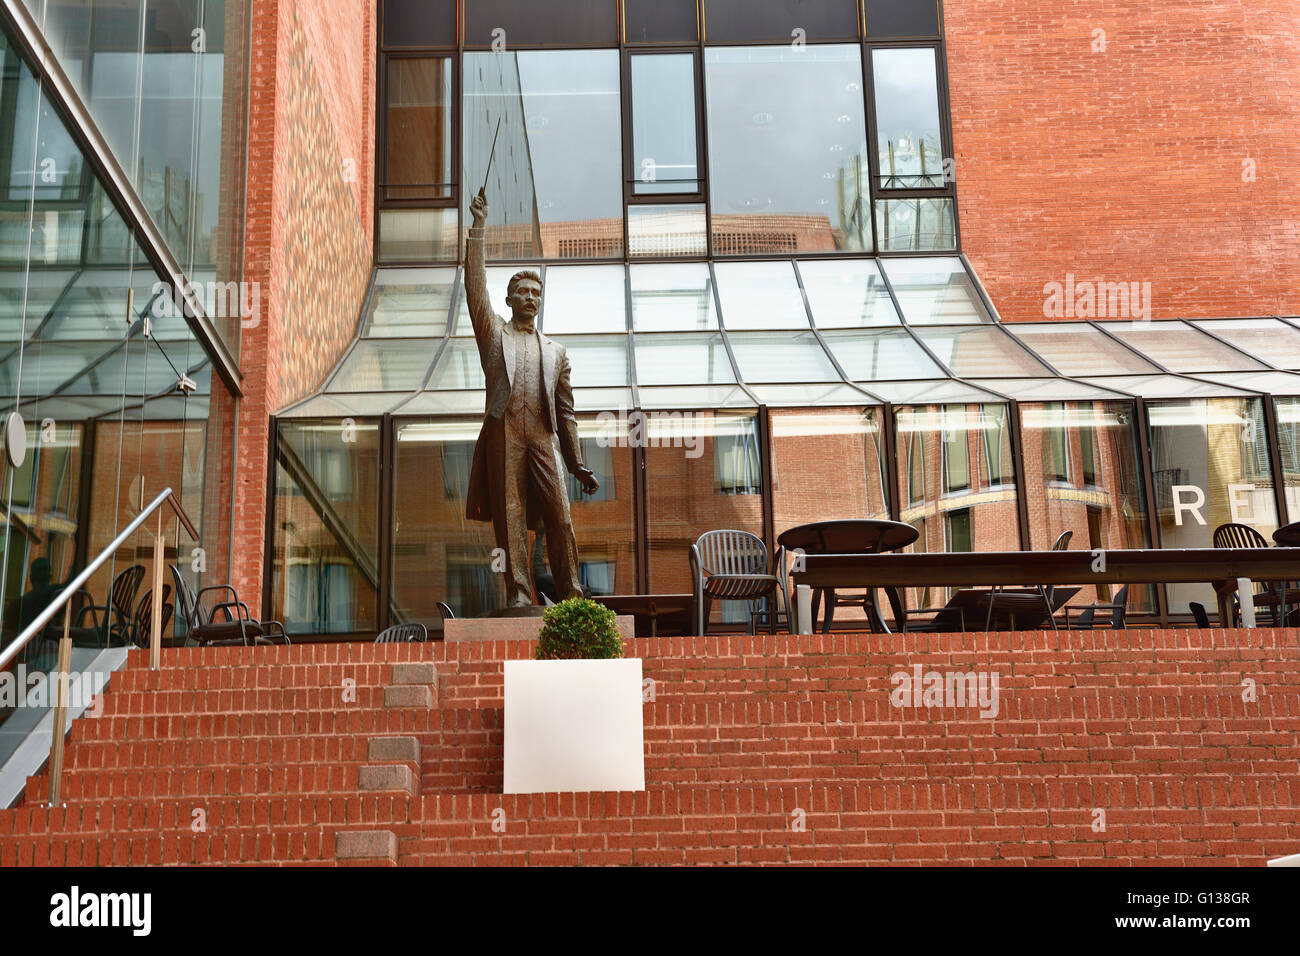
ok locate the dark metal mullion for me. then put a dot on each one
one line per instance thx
(631, 337)
(85, 495)
(980, 290)
(702, 135)
(1021, 476)
(767, 484)
(1275, 459)
(641, 518)
(387, 450)
(873, 131)
(726, 341)
(268, 547)
(889, 424)
(1147, 466)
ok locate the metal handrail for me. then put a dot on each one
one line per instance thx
(70, 590)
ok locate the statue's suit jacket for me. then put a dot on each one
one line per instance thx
(496, 339)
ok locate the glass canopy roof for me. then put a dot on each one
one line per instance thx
(787, 332)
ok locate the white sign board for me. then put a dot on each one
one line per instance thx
(573, 726)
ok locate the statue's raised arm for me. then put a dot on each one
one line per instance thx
(476, 291)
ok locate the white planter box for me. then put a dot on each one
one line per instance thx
(573, 726)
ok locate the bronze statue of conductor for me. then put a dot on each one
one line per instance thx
(529, 435)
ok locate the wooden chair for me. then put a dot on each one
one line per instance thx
(733, 566)
(119, 612)
(1233, 535)
(140, 632)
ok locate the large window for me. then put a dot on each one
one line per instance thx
(787, 149)
(419, 133)
(664, 150)
(1207, 473)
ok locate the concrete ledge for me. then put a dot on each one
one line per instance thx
(515, 628)
(392, 776)
(393, 750)
(366, 845)
(408, 695)
(422, 673)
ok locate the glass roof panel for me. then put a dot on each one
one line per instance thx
(1180, 348)
(694, 396)
(1272, 383)
(817, 396)
(458, 368)
(601, 399)
(695, 358)
(847, 294)
(760, 295)
(672, 298)
(410, 303)
(343, 406)
(48, 365)
(498, 281)
(376, 365)
(870, 356)
(781, 357)
(596, 361)
(469, 402)
(1164, 386)
(41, 287)
(932, 392)
(1270, 339)
(1076, 348)
(982, 351)
(935, 291)
(1048, 390)
(584, 299)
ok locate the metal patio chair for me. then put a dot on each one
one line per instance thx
(403, 634)
(734, 566)
(239, 627)
(140, 631)
(1087, 619)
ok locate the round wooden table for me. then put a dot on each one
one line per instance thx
(848, 536)
(1288, 536)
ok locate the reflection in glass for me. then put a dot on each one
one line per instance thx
(1181, 348)
(1288, 446)
(546, 198)
(1269, 339)
(663, 124)
(902, 18)
(847, 293)
(787, 149)
(677, 230)
(324, 557)
(935, 291)
(907, 119)
(1077, 348)
(1210, 466)
(915, 225)
(376, 366)
(418, 149)
(417, 235)
(707, 480)
(596, 361)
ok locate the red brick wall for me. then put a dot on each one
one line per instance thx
(1148, 750)
(1126, 165)
(309, 232)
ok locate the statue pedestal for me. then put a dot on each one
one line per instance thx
(515, 628)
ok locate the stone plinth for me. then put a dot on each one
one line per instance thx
(515, 628)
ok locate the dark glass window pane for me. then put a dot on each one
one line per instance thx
(419, 23)
(418, 164)
(660, 21)
(766, 21)
(663, 124)
(907, 119)
(785, 177)
(540, 22)
(902, 18)
(959, 535)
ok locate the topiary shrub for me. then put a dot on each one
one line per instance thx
(577, 629)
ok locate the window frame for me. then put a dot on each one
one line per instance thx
(630, 173)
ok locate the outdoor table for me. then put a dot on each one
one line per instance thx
(1288, 536)
(848, 536)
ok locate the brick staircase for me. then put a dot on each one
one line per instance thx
(1107, 748)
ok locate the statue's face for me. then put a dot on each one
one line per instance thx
(527, 299)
